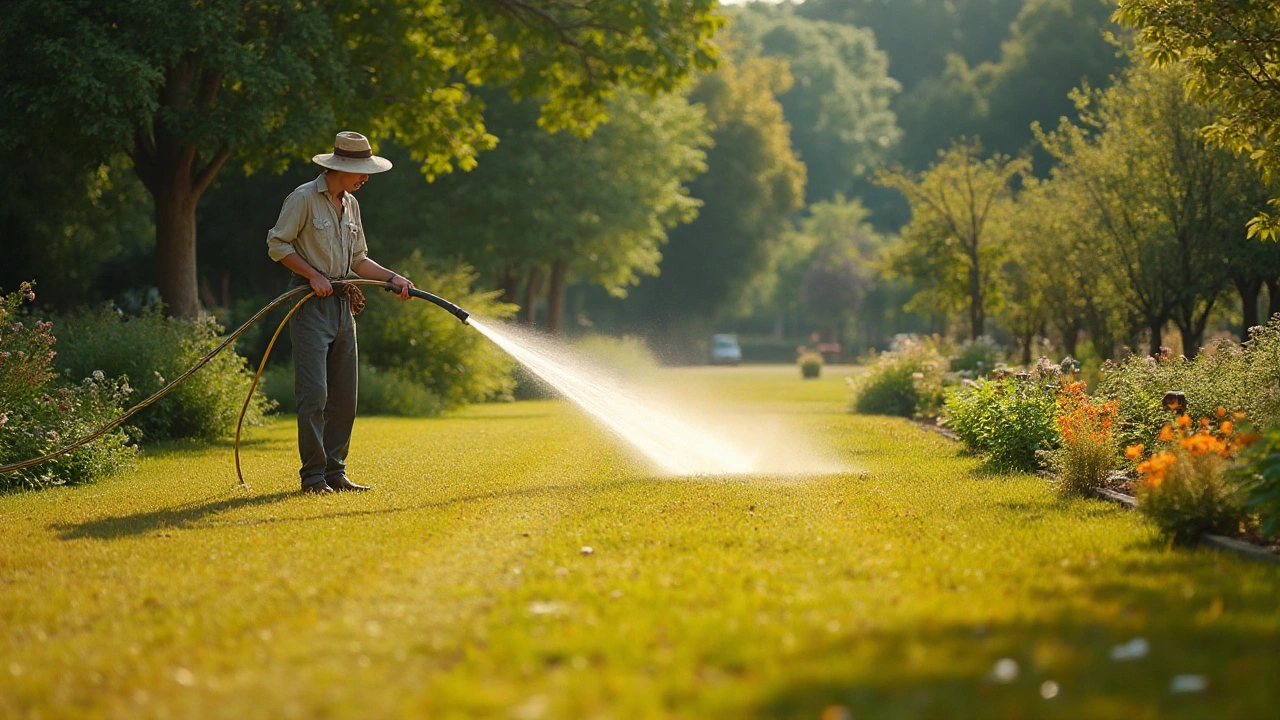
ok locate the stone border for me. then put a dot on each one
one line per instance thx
(1243, 549)
(942, 430)
(1128, 501)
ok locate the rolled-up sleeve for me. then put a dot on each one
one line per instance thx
(281, 237)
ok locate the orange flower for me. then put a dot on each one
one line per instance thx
(1226, 427)
(1237, 415)
(1133, 452)
(1153, 469)
(1184, 421)
(1220, 411)
(1166, 433)
(1204, 421)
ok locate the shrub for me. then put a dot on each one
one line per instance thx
(386, 392)
(1259, 479)
(977, 357)
(1087, 452)
(905, 381)
(1227, 374)
(1012, 420)
(37, 418)
(149, 351)
(424, 345)
(382, 392)
(1184, 488)
(810, 365)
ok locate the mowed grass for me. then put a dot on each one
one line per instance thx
(458, 588)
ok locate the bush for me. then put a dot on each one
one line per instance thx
(424, 345)
(1259, 479)
(978, 357)
(382, 392)
(810, 365)
(1244, 377)
(1011, 420)
(151, 350)
(1184, 488)
(1087, 452)
(905, 381)
(37, 418)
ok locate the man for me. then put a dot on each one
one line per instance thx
(320, 238)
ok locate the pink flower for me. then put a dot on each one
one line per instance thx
(52, 353)
(31, 296)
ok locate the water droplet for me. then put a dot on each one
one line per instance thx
(1005, 670)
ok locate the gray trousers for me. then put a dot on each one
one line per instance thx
(323, 332)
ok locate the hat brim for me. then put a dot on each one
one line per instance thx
(369, 165)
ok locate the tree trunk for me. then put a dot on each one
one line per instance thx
(555, 297)
(976, 316)
(1157, 335)
(1070, 340)
(1249, 291)
(176, 249)
(531, 295)
(509, 284)
(1273, 298)
(170, 169)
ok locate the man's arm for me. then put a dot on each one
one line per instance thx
(319, 283)
(371, 270)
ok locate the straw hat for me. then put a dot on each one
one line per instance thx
(352, 153)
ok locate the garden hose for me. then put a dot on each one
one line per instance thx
(456, 311)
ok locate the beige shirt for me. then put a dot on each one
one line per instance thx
(310, 226)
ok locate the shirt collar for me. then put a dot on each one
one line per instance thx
(322, 187)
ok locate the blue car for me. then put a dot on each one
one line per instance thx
(725, 350)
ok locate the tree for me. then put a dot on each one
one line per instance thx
(1072, 291)
(960, 207)
(558, 206)
(752, 186)
(838, 104)
(918, 35)
(841, 268)
(183, 87)
(1053, 45)
(1159, 198)
(1231, 53)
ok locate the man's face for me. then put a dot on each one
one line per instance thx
(347, 181)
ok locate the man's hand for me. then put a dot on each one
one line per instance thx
(321, 286)
(400, 286)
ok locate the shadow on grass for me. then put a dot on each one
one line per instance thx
(111, 528)
(185, 516)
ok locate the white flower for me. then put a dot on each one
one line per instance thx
(97, 375)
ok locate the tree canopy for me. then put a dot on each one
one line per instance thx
(752, 186)
(1231, 51)
(182, 87)
(839, 103)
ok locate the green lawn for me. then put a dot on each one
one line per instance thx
(458, 589)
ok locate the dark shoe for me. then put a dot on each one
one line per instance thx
(317, 489)
(342, 484)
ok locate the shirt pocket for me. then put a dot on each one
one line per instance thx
(323, 226)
